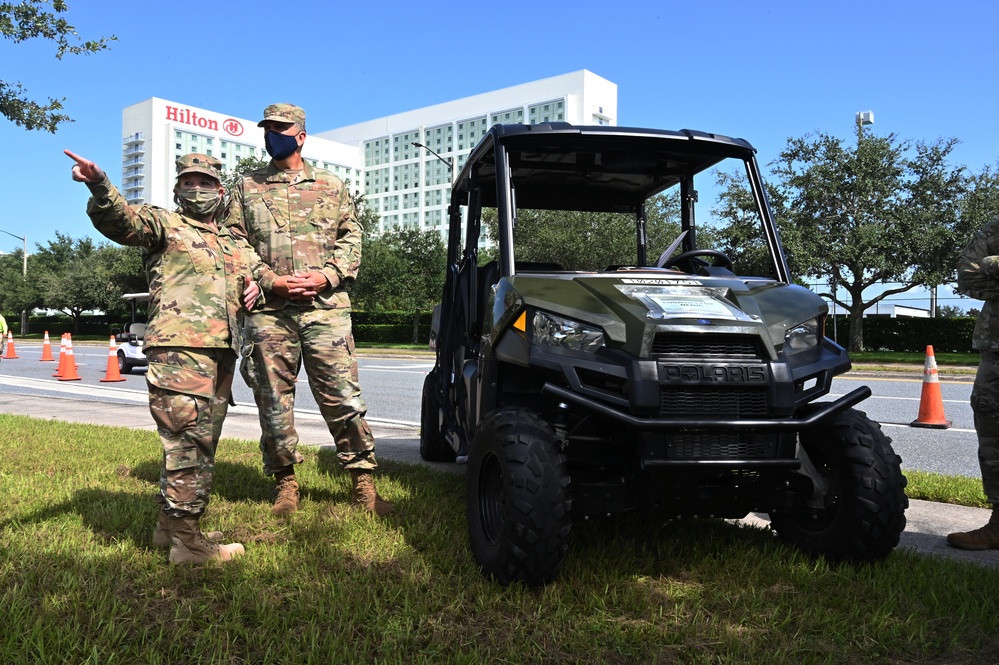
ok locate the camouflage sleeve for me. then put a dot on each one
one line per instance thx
(116, 220)
(254, 266)
(978, 265)
(234, 218)
(342, 268)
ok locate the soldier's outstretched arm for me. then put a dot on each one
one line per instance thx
(111, 214)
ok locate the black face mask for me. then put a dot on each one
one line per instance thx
(280, 146)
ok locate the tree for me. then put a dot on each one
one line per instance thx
(120, 270)
(949, 312)
(877, 212)
(401, 270)
(589, 241)
(20, 293)
(243, 166)
(28, 20)
(69, 276)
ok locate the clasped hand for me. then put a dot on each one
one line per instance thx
(302, 286)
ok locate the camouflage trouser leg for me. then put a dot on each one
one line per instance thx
(985, 404)
(188, 398)
(270, 371)
(328, 354)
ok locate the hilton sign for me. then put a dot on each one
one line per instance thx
(184, 116)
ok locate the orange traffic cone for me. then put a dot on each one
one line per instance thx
(11, 353)
(62, 356)
(931, 411)
(47, 348)
(112, 374)
(69, 371)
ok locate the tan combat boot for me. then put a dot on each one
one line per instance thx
(161, 536)
(287, 494)
(364, 495)
(189, 545)
(985, 538)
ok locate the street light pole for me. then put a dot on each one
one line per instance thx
(24, 273)
(447, 162)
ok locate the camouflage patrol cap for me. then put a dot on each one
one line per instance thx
(284, 113)
(198, 163)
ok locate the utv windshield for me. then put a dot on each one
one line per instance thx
(617, 199)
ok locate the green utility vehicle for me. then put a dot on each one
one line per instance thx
(683, 380)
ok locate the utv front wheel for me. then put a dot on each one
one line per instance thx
(862, 511)
(518, 499)
(433, 446)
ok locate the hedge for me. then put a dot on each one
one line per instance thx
(909, 334)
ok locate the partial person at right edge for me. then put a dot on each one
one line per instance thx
(302, 221)
(978, 277)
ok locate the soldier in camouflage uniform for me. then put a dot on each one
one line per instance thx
(198, 274)
(978, 277)
(302, 222)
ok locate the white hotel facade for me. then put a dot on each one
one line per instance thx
(407, 186)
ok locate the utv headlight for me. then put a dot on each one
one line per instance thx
(551, 330)
(804, 336)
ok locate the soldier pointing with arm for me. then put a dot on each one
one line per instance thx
(198, 275)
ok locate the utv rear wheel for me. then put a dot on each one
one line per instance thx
(433, 446)
(863, 511)
(518, 499)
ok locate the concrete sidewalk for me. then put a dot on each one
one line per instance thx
(927, 522)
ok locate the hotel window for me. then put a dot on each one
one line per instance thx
(179, 147)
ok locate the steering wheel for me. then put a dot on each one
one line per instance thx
(686, 260)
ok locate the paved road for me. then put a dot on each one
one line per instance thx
(927, 522)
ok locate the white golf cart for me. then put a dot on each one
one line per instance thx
(130, 339)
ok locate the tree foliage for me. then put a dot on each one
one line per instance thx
(77, 276)
(589, 241)
(30, 19)
(877, 211)
(401, 270)
(243, 166)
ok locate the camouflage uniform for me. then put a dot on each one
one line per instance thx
(195, 272)
(978, 277)
(299, 222)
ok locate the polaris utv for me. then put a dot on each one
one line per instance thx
(674, 386)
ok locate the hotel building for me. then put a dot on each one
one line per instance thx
(407, 186)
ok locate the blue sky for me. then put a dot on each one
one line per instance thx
(763, 71)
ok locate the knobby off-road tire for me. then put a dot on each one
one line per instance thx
(433, 446)
(865, 508)
(518, 499)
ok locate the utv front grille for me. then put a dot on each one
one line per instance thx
(712, 402)
(721, 445)
(666, 345)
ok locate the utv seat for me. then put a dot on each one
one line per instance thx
(136, 332)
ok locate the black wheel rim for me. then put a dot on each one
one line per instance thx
(491, 499)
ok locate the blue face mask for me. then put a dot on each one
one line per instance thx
(280, 146)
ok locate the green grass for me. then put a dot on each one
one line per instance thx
(959, 490)
(80, 584)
